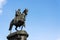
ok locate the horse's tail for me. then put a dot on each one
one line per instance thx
(11, 25)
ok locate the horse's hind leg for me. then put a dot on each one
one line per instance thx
(21, 27)
(16, 29)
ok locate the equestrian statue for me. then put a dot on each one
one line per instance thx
(19, 20)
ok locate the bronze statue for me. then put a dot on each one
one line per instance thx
(19, 20)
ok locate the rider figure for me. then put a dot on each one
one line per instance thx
(18, 13)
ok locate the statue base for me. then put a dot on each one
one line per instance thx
(19, 35)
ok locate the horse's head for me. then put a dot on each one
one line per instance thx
(25, 11)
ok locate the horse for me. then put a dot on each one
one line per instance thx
(19, 21)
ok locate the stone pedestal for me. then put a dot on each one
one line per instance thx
(19, 35)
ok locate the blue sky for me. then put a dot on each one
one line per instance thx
(42, 21)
